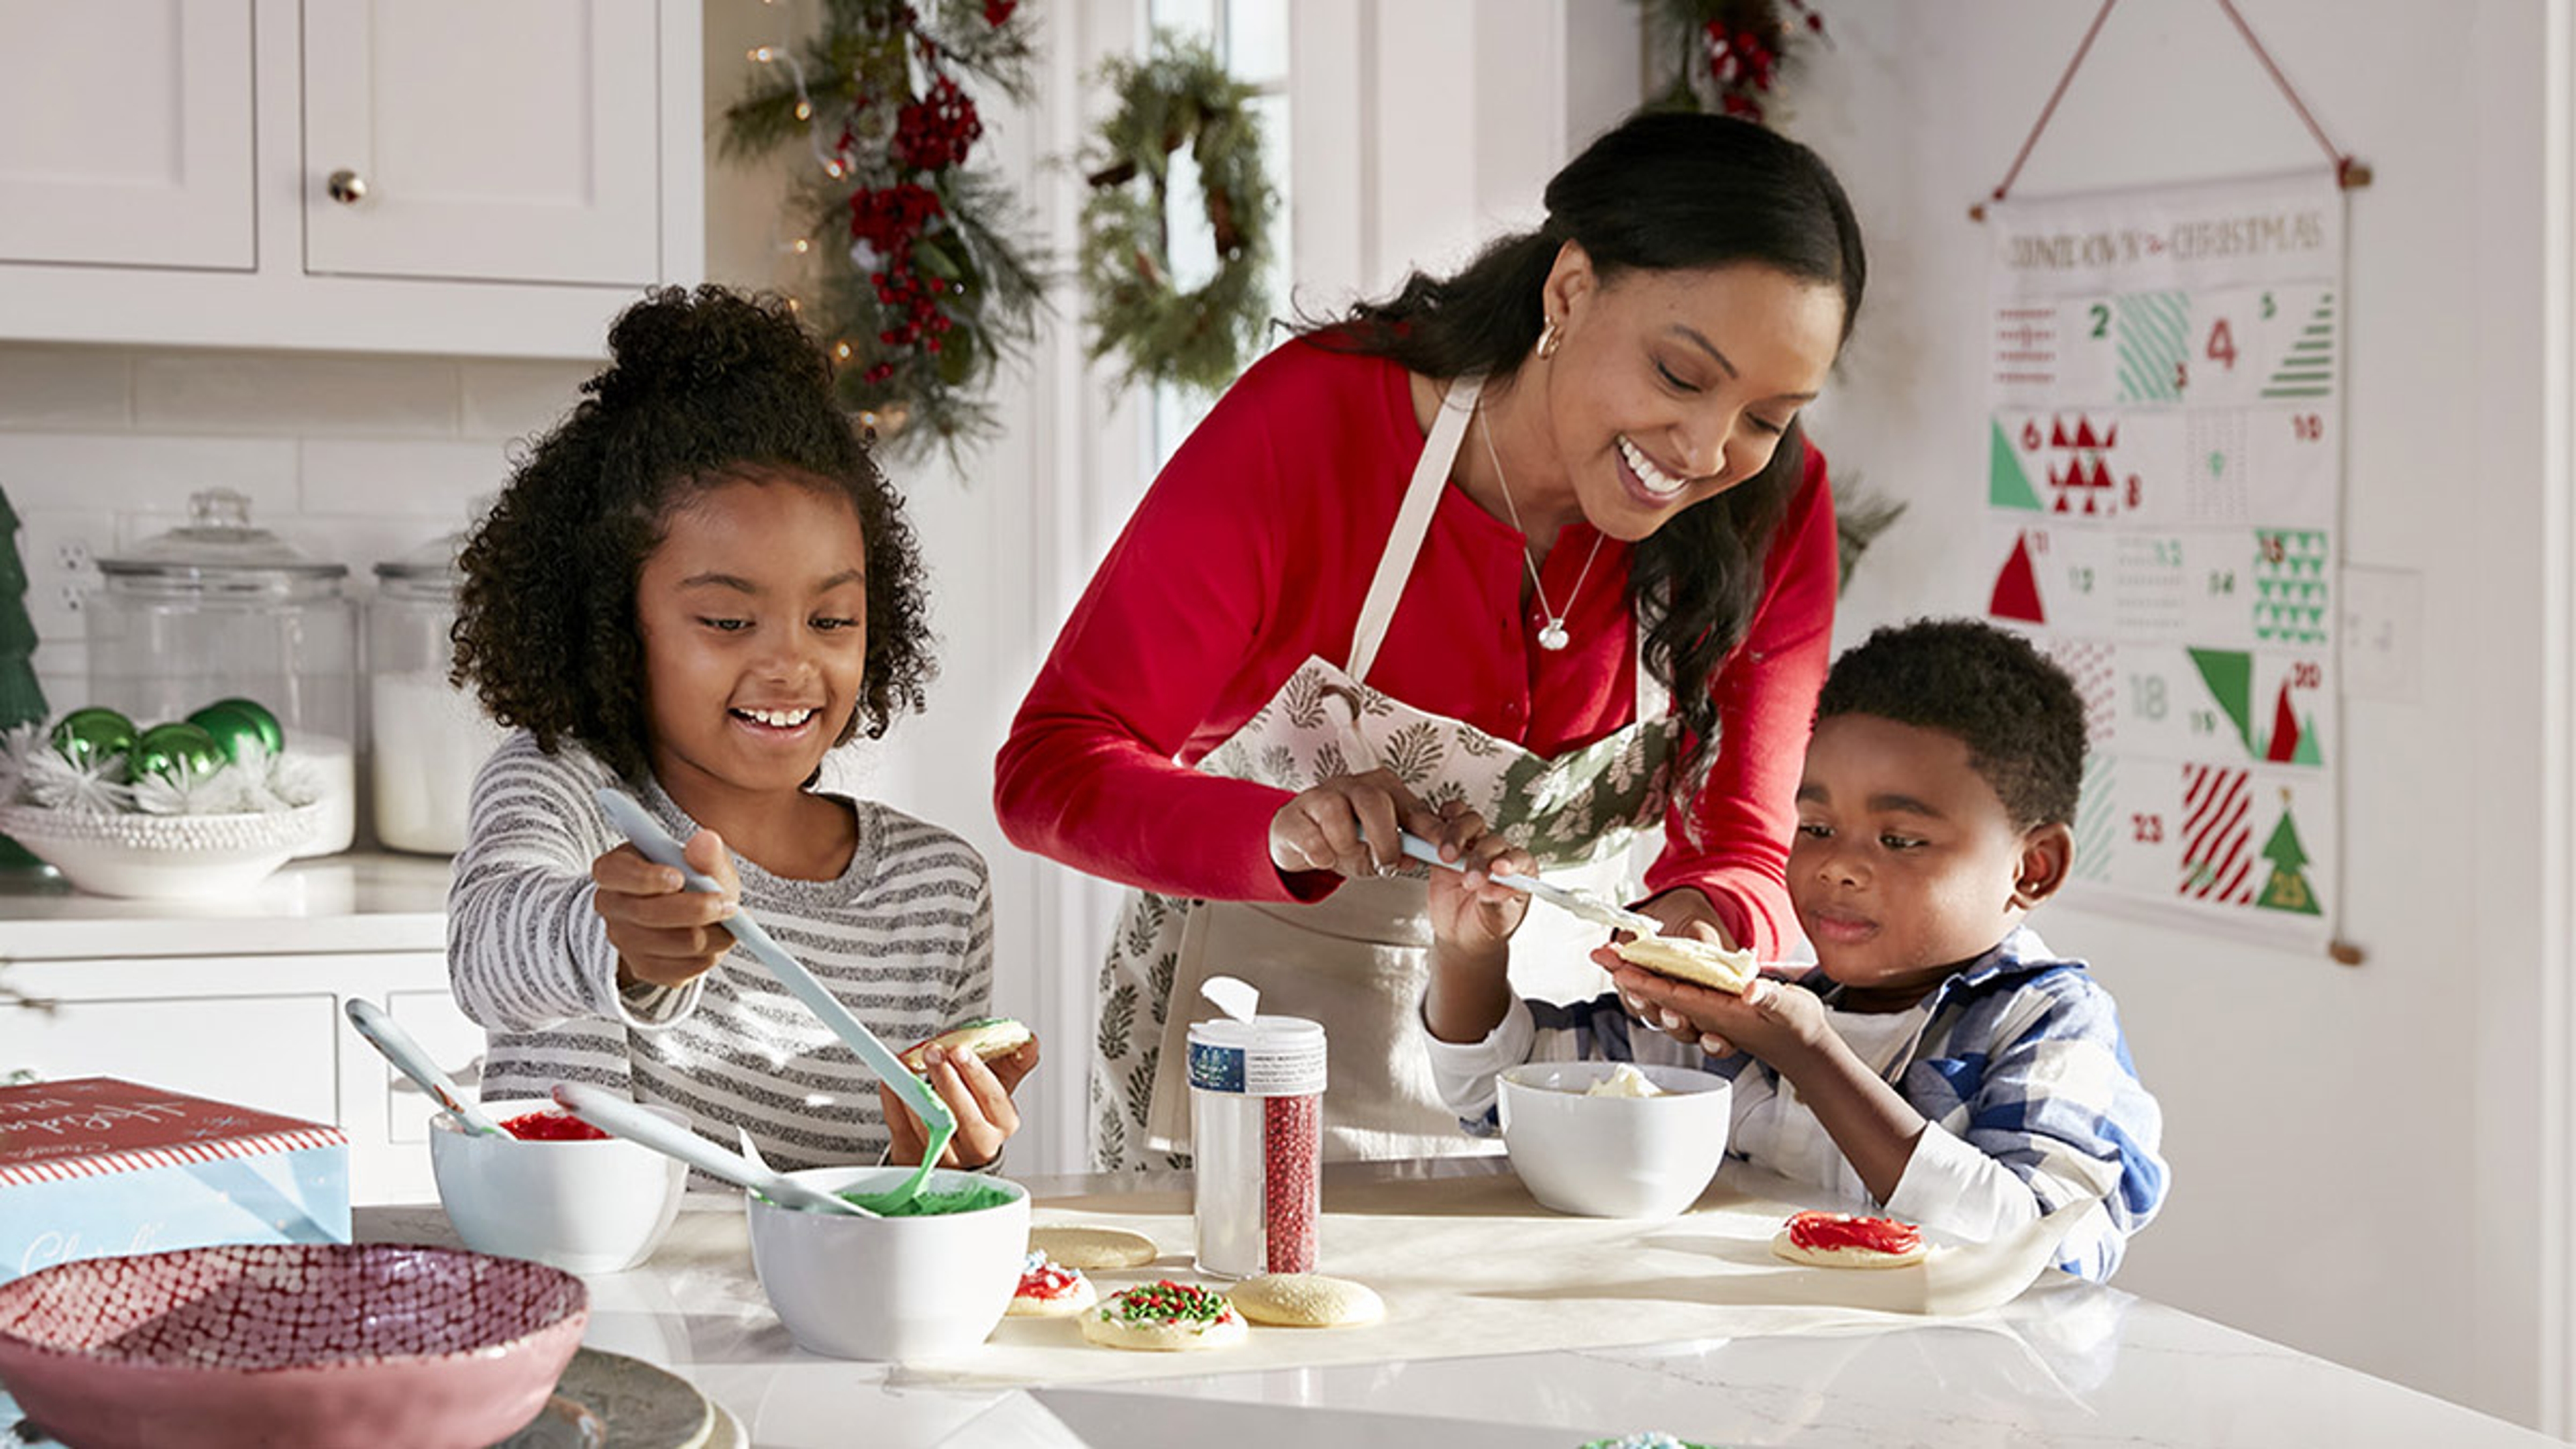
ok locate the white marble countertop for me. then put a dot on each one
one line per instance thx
(2068, 1363)
(361, 901)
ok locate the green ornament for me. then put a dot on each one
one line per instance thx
(177, 753)
(235, 728)
(91, 737)
(272, 738)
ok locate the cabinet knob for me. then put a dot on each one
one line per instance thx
(347, 187)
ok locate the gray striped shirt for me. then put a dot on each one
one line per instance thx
(904, 938)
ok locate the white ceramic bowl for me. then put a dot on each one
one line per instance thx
(890, 1289)
(584, 1207)
(161, 857)
(1614, 1157)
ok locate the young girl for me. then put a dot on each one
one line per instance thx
(693, 587)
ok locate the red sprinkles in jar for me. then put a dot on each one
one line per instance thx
(550, 1125)
(1291, 1182)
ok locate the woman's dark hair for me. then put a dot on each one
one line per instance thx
(702, 388)
(1665, 191)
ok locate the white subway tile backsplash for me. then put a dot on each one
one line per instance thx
(63, 388)
(296, 394)
(60, 548)
(436, 479)
(515, 399)
(134, 472)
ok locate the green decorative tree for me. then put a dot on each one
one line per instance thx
(22, 700)
(2288, 889)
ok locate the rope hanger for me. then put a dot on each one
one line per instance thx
(2350, 173)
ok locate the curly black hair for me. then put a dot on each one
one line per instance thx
(2020, 715)
(702, 388)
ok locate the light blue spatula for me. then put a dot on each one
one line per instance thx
(657, 846)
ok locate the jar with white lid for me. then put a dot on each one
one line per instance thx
(219, 609)
(426, 737)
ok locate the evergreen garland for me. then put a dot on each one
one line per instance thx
(926, 283)
(1178, 96)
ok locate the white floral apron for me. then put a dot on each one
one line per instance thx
(1358, 960)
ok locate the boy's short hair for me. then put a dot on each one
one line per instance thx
(2018, 712)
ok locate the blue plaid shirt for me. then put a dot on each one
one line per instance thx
(2019, 1066)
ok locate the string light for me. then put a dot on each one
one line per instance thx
(841, 350)
(763, 54)
(800, 246)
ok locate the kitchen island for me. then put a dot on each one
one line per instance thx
(2065, 1363)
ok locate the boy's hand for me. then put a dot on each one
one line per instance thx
(1468, 911)
(665, 934)
(977, 1091)
(1773, 1020)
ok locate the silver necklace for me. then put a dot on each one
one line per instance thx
(1552, 637)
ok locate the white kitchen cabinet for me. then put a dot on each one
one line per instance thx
(495, 177)
(244, 1001)
(125, 133)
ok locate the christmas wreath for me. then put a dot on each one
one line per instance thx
(1178, 96)
(924, 286)
(1728, 54)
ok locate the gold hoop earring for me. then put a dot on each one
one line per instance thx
(1549, 339)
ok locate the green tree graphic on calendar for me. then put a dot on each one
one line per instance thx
(2288, 888)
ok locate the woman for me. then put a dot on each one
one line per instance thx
(1336, 615)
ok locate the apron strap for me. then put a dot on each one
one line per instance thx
(1412, 522)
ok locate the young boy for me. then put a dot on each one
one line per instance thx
(1939, 1059)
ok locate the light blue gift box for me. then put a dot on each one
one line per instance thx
(95, 1167)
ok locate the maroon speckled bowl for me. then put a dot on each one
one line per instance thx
(289, 1344)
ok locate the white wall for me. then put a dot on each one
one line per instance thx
(2368, 1161)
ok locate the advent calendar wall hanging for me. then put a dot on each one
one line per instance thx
(2163, 486)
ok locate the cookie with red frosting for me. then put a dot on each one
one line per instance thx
(1846, 1240)
(1051, 1290)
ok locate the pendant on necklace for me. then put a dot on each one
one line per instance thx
(1553, 637)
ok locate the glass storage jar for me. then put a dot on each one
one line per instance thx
(426, 738)
(219, 609)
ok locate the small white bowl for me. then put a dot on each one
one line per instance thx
(1614, 1157)
(890, 1289)
(161, 857)
(584, 1207)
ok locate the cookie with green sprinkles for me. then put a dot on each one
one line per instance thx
(1165, 1317)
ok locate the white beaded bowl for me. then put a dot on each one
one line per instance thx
(161, 856)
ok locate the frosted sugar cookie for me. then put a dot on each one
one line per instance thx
(1092, 1249)
(987, 1037)
(1307, 1300)
(1051, 1290)
(1165, 1317)
(1690, 959)
(1842, 1240)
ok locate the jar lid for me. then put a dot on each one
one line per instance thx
(433, 563)
(218, 541)
(1268, 1056)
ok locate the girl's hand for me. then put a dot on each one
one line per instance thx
(1778, 1022)
(977, 1091)
(1348, 825)
(665, 934)
(1468, 911)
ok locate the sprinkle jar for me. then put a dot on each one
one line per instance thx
(1256, 1132)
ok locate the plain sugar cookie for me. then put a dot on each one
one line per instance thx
(1842, 1240)
(1093, 1249)
(1307, 1300)
(1165, 1317)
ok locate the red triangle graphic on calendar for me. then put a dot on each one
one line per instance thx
(2084, 433)
(2057, 433)
(2017, 588)
(2284, 744)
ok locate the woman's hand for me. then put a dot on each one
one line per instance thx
(1348, 825)
(665, 934)
(1468, 911)
(977, 1092)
